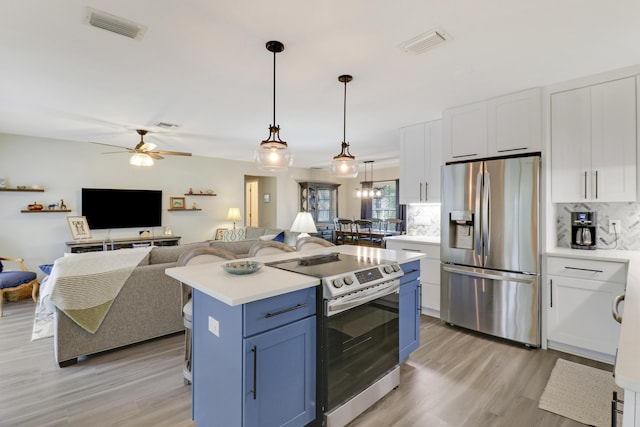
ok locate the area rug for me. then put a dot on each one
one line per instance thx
(42, 327)
(580, 392)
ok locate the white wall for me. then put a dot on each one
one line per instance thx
(63, 168)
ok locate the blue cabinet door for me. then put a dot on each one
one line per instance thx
(279, 384)
(409, 309)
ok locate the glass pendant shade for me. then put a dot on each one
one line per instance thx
(273, 154)
(344, 165)
(140, 159)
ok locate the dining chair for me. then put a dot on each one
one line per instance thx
(363, 233)
(200, 255)
(395, 225)
(345, 232)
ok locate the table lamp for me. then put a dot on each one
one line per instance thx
(304, 224)
(234, 215)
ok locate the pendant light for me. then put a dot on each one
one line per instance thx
(344, 165)
(273, 154)
(367, 191)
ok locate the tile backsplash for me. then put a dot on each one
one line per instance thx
(627, 213)
(423, 220)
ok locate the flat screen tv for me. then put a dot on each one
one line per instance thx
(115, 208)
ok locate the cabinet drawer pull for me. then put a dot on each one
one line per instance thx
(596, 184)
(420, 192)
(465, 155)
(512, 149)
(255, 371)
(585, 184)
(286, 310)
(551, 293)
(412, 250)
(583, 269)
(616, 314)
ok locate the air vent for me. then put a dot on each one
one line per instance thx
(424, 41)
(115, 24)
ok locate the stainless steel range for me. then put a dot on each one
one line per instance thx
(359, 331)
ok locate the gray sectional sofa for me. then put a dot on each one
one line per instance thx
(148, 305)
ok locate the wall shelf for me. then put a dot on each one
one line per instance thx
(45, 210)
(200, 194)
(31, 190)
(182, 210)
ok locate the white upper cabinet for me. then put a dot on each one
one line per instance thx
(501, 126)
(420, 161)
(593, 143)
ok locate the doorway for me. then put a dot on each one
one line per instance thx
(260, 201)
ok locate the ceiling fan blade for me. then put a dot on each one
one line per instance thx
(169, 153)
(153, 155)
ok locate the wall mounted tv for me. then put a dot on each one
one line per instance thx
(115, 208)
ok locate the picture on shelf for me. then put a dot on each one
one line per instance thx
(79, 227)
(219, 233)
(177, 202)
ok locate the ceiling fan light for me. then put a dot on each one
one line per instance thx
(140, 159)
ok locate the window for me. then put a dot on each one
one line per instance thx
(385, 206)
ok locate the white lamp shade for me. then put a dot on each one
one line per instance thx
(141, 159)
(304, 223)
(234, 214)
(273, 157)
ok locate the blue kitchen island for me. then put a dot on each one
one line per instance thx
(256, 339)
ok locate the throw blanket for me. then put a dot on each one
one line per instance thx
(85, 285)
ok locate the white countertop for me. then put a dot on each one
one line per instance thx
(234, 290)
(627, 371)
(417, 239)
(628, 358)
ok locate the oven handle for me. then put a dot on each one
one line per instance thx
(359, 298)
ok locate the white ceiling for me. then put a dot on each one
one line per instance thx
(203, 64)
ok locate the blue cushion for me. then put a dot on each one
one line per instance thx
(11, 279)
(46, 268)
(1, 266)
(279, 237)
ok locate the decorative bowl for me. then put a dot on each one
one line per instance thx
(242, 267)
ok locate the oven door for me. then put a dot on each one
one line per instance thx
(360, 346)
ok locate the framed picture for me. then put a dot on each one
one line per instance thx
(177, 202)
(267, 197)
(219, 232)
(79, 227)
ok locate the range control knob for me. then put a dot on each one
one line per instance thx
(388, 269)
(396, 267)
(337, 283)
(348, 280)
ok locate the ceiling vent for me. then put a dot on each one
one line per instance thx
(424, 41)
(115, 24)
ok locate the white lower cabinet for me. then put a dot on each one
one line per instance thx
(429, 272)
(580, 297)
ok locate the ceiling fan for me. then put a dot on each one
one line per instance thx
(144, 152)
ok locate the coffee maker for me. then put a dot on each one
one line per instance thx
(583, 230)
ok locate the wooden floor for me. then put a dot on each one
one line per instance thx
(456, 378)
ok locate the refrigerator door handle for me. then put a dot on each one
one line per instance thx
(485, 274)
(478, 219)
(486, 216)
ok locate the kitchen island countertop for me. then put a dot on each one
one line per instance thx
(234, 290)
(434, 240)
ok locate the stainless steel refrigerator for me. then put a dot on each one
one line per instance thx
(490, 271)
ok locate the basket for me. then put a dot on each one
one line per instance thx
(18, 294)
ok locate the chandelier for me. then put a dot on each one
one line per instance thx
(368, 191)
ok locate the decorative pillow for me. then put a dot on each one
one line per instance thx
(279, 237)
(267, 237)
(1, 266)
(233, 235)
(254, 232)
(46, 268)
